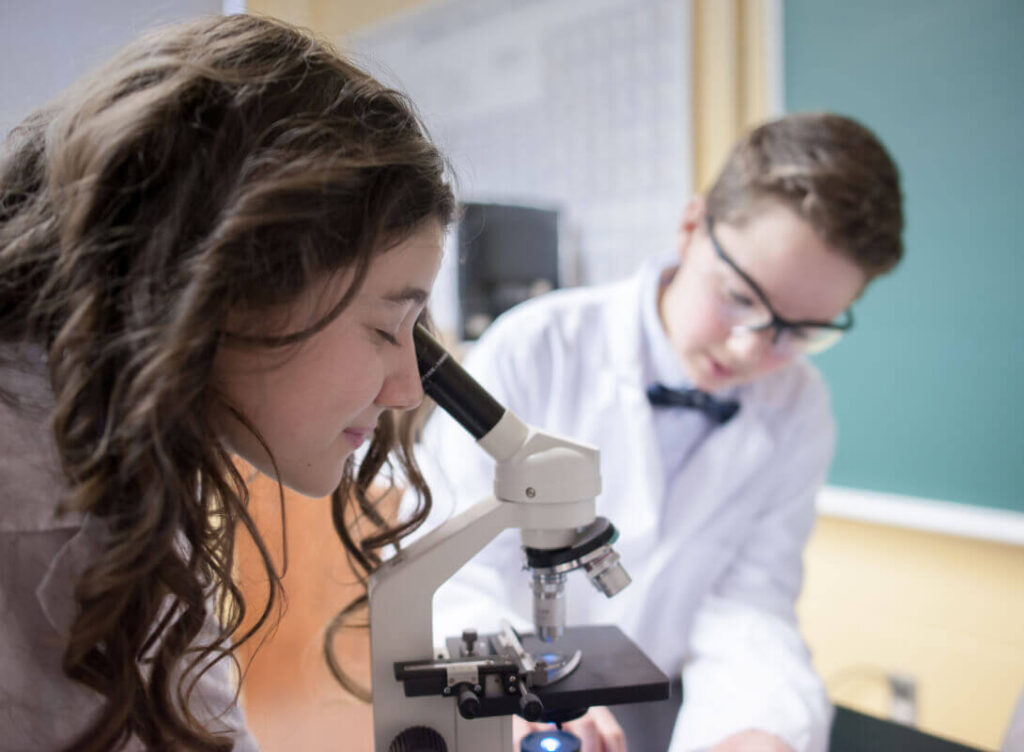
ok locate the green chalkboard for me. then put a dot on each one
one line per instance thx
(927, 389)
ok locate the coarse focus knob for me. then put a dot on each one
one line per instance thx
(530, 706)
(418, 739)
(469, 637)
(469, 703)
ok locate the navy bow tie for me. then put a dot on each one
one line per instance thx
(718, 411)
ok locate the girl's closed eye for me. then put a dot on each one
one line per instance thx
(388, 337)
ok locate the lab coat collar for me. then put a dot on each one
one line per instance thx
(629, 425)
(624, 329)
(662, 362)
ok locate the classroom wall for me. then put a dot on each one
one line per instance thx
(878, 599)
(334, 18)
(46, 44)
(944, 610)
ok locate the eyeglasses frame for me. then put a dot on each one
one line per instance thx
(777, 322)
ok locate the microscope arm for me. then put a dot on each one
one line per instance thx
(547, 485)
(532, 466)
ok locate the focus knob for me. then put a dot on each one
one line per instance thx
(469, 703)
(530, 706)
(418, 739)
(469, 638)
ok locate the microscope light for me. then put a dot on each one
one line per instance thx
(550, 741)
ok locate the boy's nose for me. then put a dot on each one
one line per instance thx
(752, 346)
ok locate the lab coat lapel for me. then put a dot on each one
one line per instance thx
(631, 418)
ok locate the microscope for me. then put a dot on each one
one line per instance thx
(461, 698)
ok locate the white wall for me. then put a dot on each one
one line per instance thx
(46, 44)
(578, 105)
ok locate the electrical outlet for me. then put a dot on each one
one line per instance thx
(902, 698)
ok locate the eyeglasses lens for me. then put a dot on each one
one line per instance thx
(808, 339)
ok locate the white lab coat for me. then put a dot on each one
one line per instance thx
(714, 551)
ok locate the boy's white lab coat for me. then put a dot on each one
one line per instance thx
(714, 552)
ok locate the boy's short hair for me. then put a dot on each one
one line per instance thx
(832, 171)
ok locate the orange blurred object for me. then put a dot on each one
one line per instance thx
(291, 701)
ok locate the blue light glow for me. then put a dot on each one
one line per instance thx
(550, 658)
(550, 744)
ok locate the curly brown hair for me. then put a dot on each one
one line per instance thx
(214, 166)
(829, 169)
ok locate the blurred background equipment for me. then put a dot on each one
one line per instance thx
(506, 254)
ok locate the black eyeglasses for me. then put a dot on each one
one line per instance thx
(788, 336)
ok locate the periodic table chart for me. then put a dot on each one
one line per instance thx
(579, 105)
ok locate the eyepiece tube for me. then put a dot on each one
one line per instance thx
(448, 384)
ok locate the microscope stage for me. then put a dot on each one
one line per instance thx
(612, 671)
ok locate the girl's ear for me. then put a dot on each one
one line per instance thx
(693, 218)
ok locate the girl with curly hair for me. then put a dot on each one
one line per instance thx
(217, 245)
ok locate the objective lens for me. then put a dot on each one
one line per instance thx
(606, 573)
(549, 605)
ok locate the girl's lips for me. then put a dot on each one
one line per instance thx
(357, 436)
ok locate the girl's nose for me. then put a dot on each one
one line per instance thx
(402, 389)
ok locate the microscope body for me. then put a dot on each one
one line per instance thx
(545, 486)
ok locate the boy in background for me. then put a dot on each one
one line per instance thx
(714, 429)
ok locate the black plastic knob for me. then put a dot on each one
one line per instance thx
(530, 706)
(418, 739)
(469, 638)
(469, 703)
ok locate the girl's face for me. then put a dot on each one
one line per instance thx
(315, 402)
(803, 277)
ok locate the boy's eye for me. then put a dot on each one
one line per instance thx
(799, 332)
(740, 299)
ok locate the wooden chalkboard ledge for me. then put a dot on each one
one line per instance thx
(926, 515)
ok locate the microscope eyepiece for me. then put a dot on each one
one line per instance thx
(451, 387)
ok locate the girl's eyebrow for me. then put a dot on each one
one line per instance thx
(409, 294)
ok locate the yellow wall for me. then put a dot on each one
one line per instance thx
(948, 611)
(333, 18)
(729, 78)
